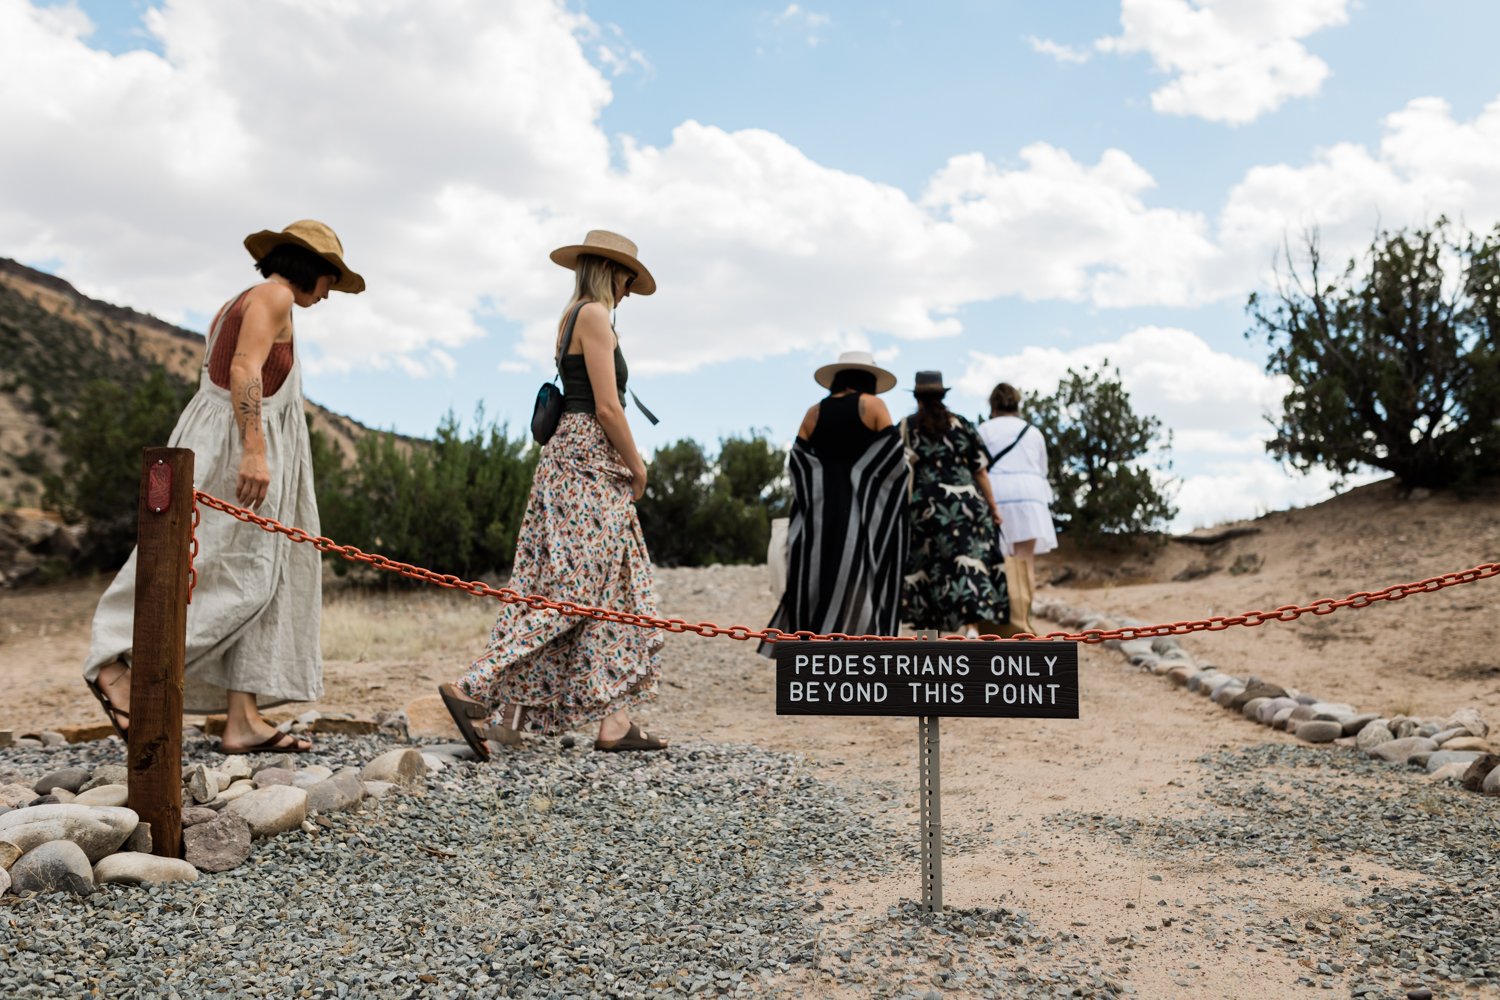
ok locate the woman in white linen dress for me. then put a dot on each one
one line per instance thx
(253, 623)
(1018, 479)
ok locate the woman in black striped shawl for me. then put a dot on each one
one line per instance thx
(848, 534)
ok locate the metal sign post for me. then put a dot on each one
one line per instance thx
(929, 790)
(930, 805)
(928, 679)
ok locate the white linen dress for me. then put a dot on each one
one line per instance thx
(253, 623)
(1019, 482)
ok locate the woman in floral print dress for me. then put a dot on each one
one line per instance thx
(580, 541)
(953, 576)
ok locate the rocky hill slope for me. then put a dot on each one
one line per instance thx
(54, 340)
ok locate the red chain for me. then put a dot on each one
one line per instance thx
(1218, 623)
(193, 552)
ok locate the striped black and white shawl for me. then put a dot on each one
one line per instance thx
(846, 542)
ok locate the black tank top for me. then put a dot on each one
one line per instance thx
(840, 436)
(578, 391)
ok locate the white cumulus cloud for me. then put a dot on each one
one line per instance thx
(1056, 50)
(1229, 60)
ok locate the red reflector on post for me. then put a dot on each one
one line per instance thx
(159, 487)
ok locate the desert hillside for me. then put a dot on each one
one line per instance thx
(55, 340)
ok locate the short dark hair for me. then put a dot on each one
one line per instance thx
(1005, 398)
(857, 379)
(298, 265)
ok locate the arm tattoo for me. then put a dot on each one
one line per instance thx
(247, 407)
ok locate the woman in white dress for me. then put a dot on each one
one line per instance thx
(252, 626)
(1018, 479)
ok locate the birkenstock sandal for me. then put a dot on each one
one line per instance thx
(465, 711)
(111, 711)
(635, 739)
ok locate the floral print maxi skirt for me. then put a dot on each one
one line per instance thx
(580, 541)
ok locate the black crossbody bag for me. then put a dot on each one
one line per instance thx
(995, 459)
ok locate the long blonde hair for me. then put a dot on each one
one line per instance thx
(593, 281)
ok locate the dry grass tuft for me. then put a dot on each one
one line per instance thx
(360, 626)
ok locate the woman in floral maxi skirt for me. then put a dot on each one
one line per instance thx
(580, 541)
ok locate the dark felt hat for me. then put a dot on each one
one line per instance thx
(929, 383)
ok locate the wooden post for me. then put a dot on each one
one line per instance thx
(163, 554)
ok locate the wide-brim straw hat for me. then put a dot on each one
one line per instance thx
(310, 234)
(862, 361)
(611, 246)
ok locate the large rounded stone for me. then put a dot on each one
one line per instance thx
(272, 810)
(1399, 751)
(267, 777)
(1282, 718)
(1259, 689)
(193, 815)
(1319, 731)
(98, 830)
(403, 767)
(138, 869)
(1303, 713)
(1469, 743)
(1442, 757)
(218, 845)
(1226, 693)
(15, 796)
(1267, 714)
(311, 775)
(56, 866)
(342, 791)
(4, 880)
(1373, 735)
(1478, 770)
(1491, 785)
(203, 784)
(1251, 709)
(69, 778)
(103, 795)
(1471, 720)
(107, 774)
(1354, 724)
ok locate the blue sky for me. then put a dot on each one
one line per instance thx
(996, 190)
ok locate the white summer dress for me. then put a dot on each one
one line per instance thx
(253, 623)
(1019, 482)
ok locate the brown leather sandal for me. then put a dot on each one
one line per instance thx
(111, 711)
(635, 739)
(465, 712)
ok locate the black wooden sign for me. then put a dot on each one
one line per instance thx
(978, 679)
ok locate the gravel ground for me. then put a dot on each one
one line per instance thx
(1429, 921)
(717, 870)
(553, 872)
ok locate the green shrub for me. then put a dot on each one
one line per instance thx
(1393, 364)
(1096, 451)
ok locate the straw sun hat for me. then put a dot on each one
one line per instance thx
(862, 361)
(310, 235)
(611, 246)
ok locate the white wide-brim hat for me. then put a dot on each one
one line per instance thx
(611, 246)
(862, 361)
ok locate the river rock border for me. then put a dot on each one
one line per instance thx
(70, 830)
(1455, 749)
